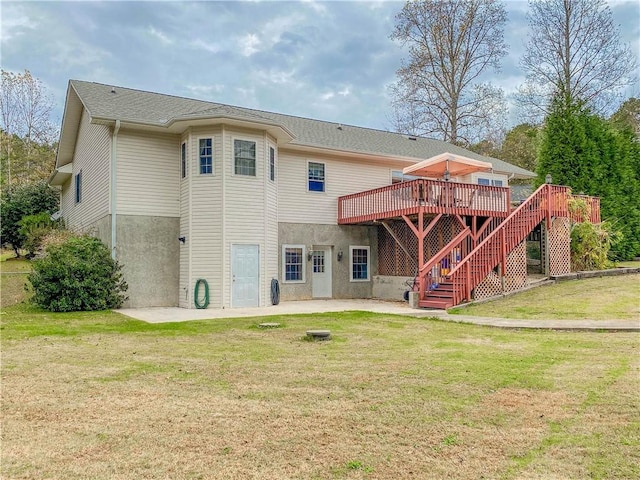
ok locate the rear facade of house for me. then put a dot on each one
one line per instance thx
(184, 190)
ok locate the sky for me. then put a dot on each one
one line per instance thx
(331, 60)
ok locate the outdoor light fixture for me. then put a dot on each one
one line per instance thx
(340, 256)
(182, 239)
(447, 175)
(310, 254)
(548, 178)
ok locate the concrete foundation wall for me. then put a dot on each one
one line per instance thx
(148, 249)
(386, 287)
(339, 238)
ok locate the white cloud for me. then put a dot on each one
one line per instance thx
(154, 32)
(249, 44)
(14, 23)
(204, 91)
(316, 6)
(346, 91)
(209, 47)
(327, 96)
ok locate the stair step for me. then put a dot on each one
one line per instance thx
(437, 304)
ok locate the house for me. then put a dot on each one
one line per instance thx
(254, 203)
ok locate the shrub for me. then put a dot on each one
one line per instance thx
(77, 274)
(590, 245)
(34, 228)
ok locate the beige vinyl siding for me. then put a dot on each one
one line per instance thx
(342, 177)
(205, 244)
(270, 223)
(92, 156)
(148, 174)
(185, 298)
(244, 206)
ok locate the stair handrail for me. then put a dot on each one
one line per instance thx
(489, 237)
(446, 250)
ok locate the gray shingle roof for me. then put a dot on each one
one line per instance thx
(159, 109)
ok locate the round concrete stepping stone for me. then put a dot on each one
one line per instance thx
(319, 334)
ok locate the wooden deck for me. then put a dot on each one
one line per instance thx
(424, 196)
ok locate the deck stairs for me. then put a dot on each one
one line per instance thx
(447, 280)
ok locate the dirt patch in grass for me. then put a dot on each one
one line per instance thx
(428, 400)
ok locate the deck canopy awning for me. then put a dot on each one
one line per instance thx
(455, 165)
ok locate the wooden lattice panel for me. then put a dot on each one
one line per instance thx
(392, 260)
(514, 279)
(559, 250)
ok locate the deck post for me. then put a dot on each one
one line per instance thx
(421, 236)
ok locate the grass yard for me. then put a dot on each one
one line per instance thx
(101, 396)
(601, 298)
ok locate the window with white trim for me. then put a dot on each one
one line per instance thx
(316, 176)
(272, 164)
(293, 264)
(77, 182)
(244, 157)
(487, 181)
(360, 262)
(206, 156)
(183, 160)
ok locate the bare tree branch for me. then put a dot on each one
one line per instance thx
(451, 43)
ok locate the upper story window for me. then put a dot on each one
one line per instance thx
(206, 155)
(316, 177)
(486, 181)
(272, 164)
(183, 160)
(77, 183)
(244, 156)
(293, 263)
(360, 264)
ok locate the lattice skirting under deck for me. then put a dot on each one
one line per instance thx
(515, 278)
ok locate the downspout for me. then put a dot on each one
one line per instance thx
(114, 153)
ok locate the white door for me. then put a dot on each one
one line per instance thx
(321, 272)
(245, 275)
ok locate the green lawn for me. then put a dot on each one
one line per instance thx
(601, 298)
(101, 396)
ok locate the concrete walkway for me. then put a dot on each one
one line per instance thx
(174, 314)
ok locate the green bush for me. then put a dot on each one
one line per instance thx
(34, 228)
(77, 274)
(590, 245)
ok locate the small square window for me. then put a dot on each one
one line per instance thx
(183, 160)
(244, 154)
(360, 264)
(293, 263)
(316, 177)
(78, 186)
(272, 164)
(206, 156)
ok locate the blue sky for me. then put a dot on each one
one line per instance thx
(327, 60)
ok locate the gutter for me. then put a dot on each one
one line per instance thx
(114, 163)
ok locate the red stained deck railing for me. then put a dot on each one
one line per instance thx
(429, 196)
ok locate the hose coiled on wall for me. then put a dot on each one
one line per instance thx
(275, 291)
(196, 292)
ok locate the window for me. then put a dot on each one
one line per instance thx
(359, 264)
(272, 164)
(244, 154)
(78, 186)
(206, 156)
(183, 160)
(293, 263)
(398, 177)
(316, 177)
(486, 181)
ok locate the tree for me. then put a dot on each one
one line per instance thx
(573, 50)
(628, 116)
(583, 151)
(20, 201)
(439, 89)
(520, 146)
(25, 108)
